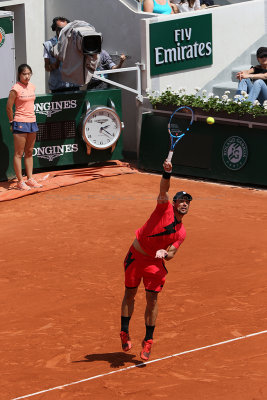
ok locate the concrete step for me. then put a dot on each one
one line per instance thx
(220, 88)
(254, 60)
(243, 62)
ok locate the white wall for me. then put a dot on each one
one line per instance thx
(7, 56)
(29, 35)
(35, 30)
(234, 30)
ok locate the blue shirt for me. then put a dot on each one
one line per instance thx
(55, 81)
(105, 62)
(161, 8)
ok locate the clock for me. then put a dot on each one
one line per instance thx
(101, 128)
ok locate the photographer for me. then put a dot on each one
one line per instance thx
(52, 65)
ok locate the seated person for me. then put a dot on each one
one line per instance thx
(105, 63)
(173, 4)
(157, 6)
(206, 3)
(188, 5)
(254, 80)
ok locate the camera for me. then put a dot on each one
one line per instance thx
(91, 43)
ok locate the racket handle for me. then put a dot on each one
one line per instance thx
(169, 158)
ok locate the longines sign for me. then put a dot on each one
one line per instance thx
(51, 152)
(50, 108)
(180, 44)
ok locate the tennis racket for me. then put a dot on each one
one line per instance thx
(179, 124)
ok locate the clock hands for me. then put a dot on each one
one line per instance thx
(103, 129)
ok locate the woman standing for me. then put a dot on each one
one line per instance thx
(23, 125)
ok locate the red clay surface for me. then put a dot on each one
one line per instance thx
(61, 282)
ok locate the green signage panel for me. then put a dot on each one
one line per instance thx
(180, 44)
(6, 27)
(234, 154)
(59, 140)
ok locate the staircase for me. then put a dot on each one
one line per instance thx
(219, 88)
(226, 79)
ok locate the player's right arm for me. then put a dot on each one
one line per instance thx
(164, 187)
(9, 105)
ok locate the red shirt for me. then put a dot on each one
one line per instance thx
(161, 230)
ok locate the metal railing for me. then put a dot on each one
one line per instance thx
(138, 91)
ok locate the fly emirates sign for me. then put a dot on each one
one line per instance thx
(180, 44)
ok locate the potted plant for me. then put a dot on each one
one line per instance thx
(210, 105)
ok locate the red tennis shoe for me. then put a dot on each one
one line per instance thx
(125, 341)
(146, 350)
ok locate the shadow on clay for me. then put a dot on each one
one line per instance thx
(116, 360)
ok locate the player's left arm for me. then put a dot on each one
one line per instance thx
(167, 254)
(170, 253)
(164, 186)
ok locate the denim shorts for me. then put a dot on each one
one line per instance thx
(24, 127)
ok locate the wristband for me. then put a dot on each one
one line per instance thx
(166, 175)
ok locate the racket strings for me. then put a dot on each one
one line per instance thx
(175, 130)
(179, 124)
(179, 127)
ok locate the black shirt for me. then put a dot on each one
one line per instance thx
(259, 70)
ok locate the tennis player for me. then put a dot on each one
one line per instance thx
(156, 241)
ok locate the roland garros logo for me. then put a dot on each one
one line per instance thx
(235, 153)
(2, 36)
(50, 108)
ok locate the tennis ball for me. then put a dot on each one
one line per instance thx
(210, 120)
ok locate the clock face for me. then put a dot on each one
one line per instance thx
(101, 127)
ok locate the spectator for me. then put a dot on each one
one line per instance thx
(23, 125)
(52, 65)
(190, 5)
(174, 6)
(206, 3)
(157, 6)
(254, 80)
(105, 63)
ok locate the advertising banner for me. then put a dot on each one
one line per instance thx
(59, 140)
(180, 44)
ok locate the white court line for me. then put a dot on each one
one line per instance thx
(138, 365)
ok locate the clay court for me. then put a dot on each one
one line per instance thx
(62, 278)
